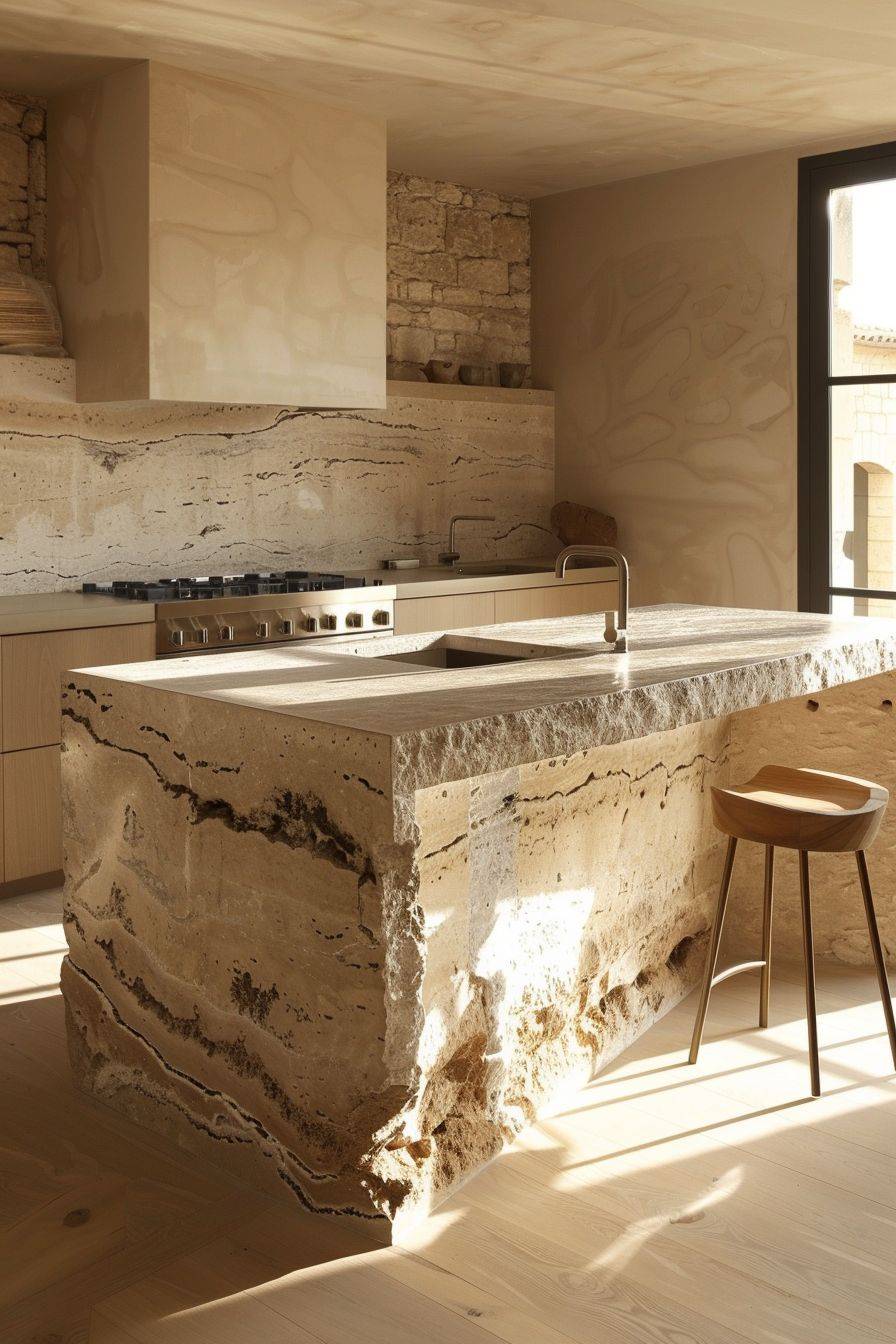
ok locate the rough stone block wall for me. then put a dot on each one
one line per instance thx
(23, 184)
(458, 264)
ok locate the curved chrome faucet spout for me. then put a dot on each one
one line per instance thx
(614, 633)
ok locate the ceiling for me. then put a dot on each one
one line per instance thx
(528, 97)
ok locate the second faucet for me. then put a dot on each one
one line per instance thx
(452, 555)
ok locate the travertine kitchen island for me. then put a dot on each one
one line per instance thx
(346, 924)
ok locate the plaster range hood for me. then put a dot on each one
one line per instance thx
(214, 242)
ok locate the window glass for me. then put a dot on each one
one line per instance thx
(863, 463)
(863, 278)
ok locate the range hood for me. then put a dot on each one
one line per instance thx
(213, 242)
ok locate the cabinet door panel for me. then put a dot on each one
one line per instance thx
(32, 675)
(564, 599)
(413, 615)
(32, 812)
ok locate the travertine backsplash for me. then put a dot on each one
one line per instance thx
(120, 491)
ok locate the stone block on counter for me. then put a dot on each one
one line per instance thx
(579, 525)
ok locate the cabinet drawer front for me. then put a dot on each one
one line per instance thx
(563, 599)
(32, 670)
(32, 812)
(413, 615)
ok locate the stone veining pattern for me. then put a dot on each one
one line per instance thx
(124, 491)
(347, 1017)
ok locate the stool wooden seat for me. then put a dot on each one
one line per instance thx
(802, 809)
(811, 811)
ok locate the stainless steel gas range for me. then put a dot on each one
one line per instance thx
(223, 612)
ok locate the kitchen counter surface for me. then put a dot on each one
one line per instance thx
(34, 613)
(686, 664)
(442, 581)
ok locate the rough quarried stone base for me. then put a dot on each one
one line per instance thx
(270, 964)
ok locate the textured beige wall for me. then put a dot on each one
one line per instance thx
(98, 188)
(213, 242)
(664, 314)
(458, 275)
(267, 246)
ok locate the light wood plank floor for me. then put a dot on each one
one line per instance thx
(661, 1205)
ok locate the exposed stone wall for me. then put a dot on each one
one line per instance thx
(23, 184)
(458, 266)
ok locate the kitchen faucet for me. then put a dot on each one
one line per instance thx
(451, 556)
(617, 637)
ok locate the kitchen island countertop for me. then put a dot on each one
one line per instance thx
(685, 664)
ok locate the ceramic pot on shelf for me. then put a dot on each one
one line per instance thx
(476, 375)
(440, 370)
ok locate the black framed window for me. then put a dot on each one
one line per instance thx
(847, 381)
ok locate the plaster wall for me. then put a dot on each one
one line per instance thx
(215, 242)
(664, 317)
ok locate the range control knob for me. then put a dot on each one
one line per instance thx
(263, 629)
(354, 619)
(327, 622)
(177, 638)
(226, 632)
(202, 635)
(310, 624)
(287, 627)
(381, 618)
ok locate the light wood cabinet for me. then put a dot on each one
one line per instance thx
(31, 675)
(564, 599)
(413, 615)
(32, 812)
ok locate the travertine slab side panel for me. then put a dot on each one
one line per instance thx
(114, 492)
(564, 906)
(267, 246)
(229, 937)
(849, 729)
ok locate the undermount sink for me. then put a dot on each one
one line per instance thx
(495, 568)
(454, 651)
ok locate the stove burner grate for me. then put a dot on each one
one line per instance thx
(223, 585)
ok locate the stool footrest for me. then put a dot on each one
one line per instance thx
(736, 970)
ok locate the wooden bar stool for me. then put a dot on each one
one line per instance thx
(813, 812)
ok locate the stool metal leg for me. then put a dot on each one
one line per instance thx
(713, 953)
(809, 957)
(765, 979)
(879, 964)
